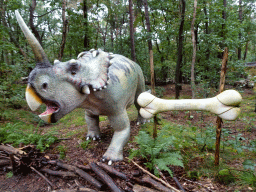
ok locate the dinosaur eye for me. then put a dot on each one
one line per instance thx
(44, 86)
(73, 72)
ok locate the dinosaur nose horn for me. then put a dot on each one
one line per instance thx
(40, 56)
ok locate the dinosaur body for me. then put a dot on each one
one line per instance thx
(101, 83)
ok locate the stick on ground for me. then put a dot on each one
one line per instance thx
(104, 176)
(49, 182)
(153, 176)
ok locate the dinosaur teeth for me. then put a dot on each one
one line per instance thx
(56, 61)
(105, 87)
(86, 90)
(95, 53)
(94, 89)
(72, 61)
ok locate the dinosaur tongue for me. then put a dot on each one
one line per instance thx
(50, 109)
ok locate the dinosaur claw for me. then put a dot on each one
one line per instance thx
(138, 123)
(91, 50)
(94, 138)
(87, 138)
(110, 162)
(103, 160)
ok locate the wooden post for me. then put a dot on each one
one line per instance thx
(151, 61)
(219, 120)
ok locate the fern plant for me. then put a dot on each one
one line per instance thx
(157, 152)
(15, 134)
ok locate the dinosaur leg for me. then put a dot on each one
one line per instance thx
(121, 126)
(93, 126)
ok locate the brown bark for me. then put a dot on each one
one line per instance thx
(246, 49)
(151, 60)
(47, 180)
(64, 29)
(86, 34)
(194, 51)
(132, 31)
(154, 177)
(180, 49)
(219, 120)
(112, 170)
(80, 172)
(4, 162)
(240, 13)
(31, 21)
(155, 184)
(12, 150)
(58, 173)
(104, 176)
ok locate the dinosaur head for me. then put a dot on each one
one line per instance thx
(65, 85)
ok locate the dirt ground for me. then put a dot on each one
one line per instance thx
(77, 156)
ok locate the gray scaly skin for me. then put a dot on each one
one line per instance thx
(101, 83)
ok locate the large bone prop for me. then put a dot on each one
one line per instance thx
(225, 105)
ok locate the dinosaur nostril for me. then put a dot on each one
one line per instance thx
(45, 85)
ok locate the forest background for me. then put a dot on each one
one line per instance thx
(66, 28)
(187, 43)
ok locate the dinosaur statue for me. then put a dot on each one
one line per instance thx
(101, 83)
(105, 84)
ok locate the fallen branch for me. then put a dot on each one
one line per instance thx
(112, 170)
(80, 172)
(139, 188)
(58, 173)
(105, 177)
(178, 183)
(13, 150)
(4, 162)
(153, 176)
(155, 184)
(49, 182)
(84, 167)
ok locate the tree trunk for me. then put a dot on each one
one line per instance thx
(246, 50)
(64, 29)
(151, 61)
(180, 47)
(31, 21)
(194, 51)
(86, 35)
(132, 31)
(239, 54)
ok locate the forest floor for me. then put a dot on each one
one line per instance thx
(74, 154)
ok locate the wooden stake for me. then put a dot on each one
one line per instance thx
(219, 120)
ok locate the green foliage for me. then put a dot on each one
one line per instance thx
(9, 174)
(157, 152)
(15, 134)
(85, 144)
(225, 176)
(62, 151)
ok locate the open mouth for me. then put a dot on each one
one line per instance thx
(34, 102)
(51, 107)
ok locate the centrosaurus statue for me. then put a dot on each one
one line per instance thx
(104, 84)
